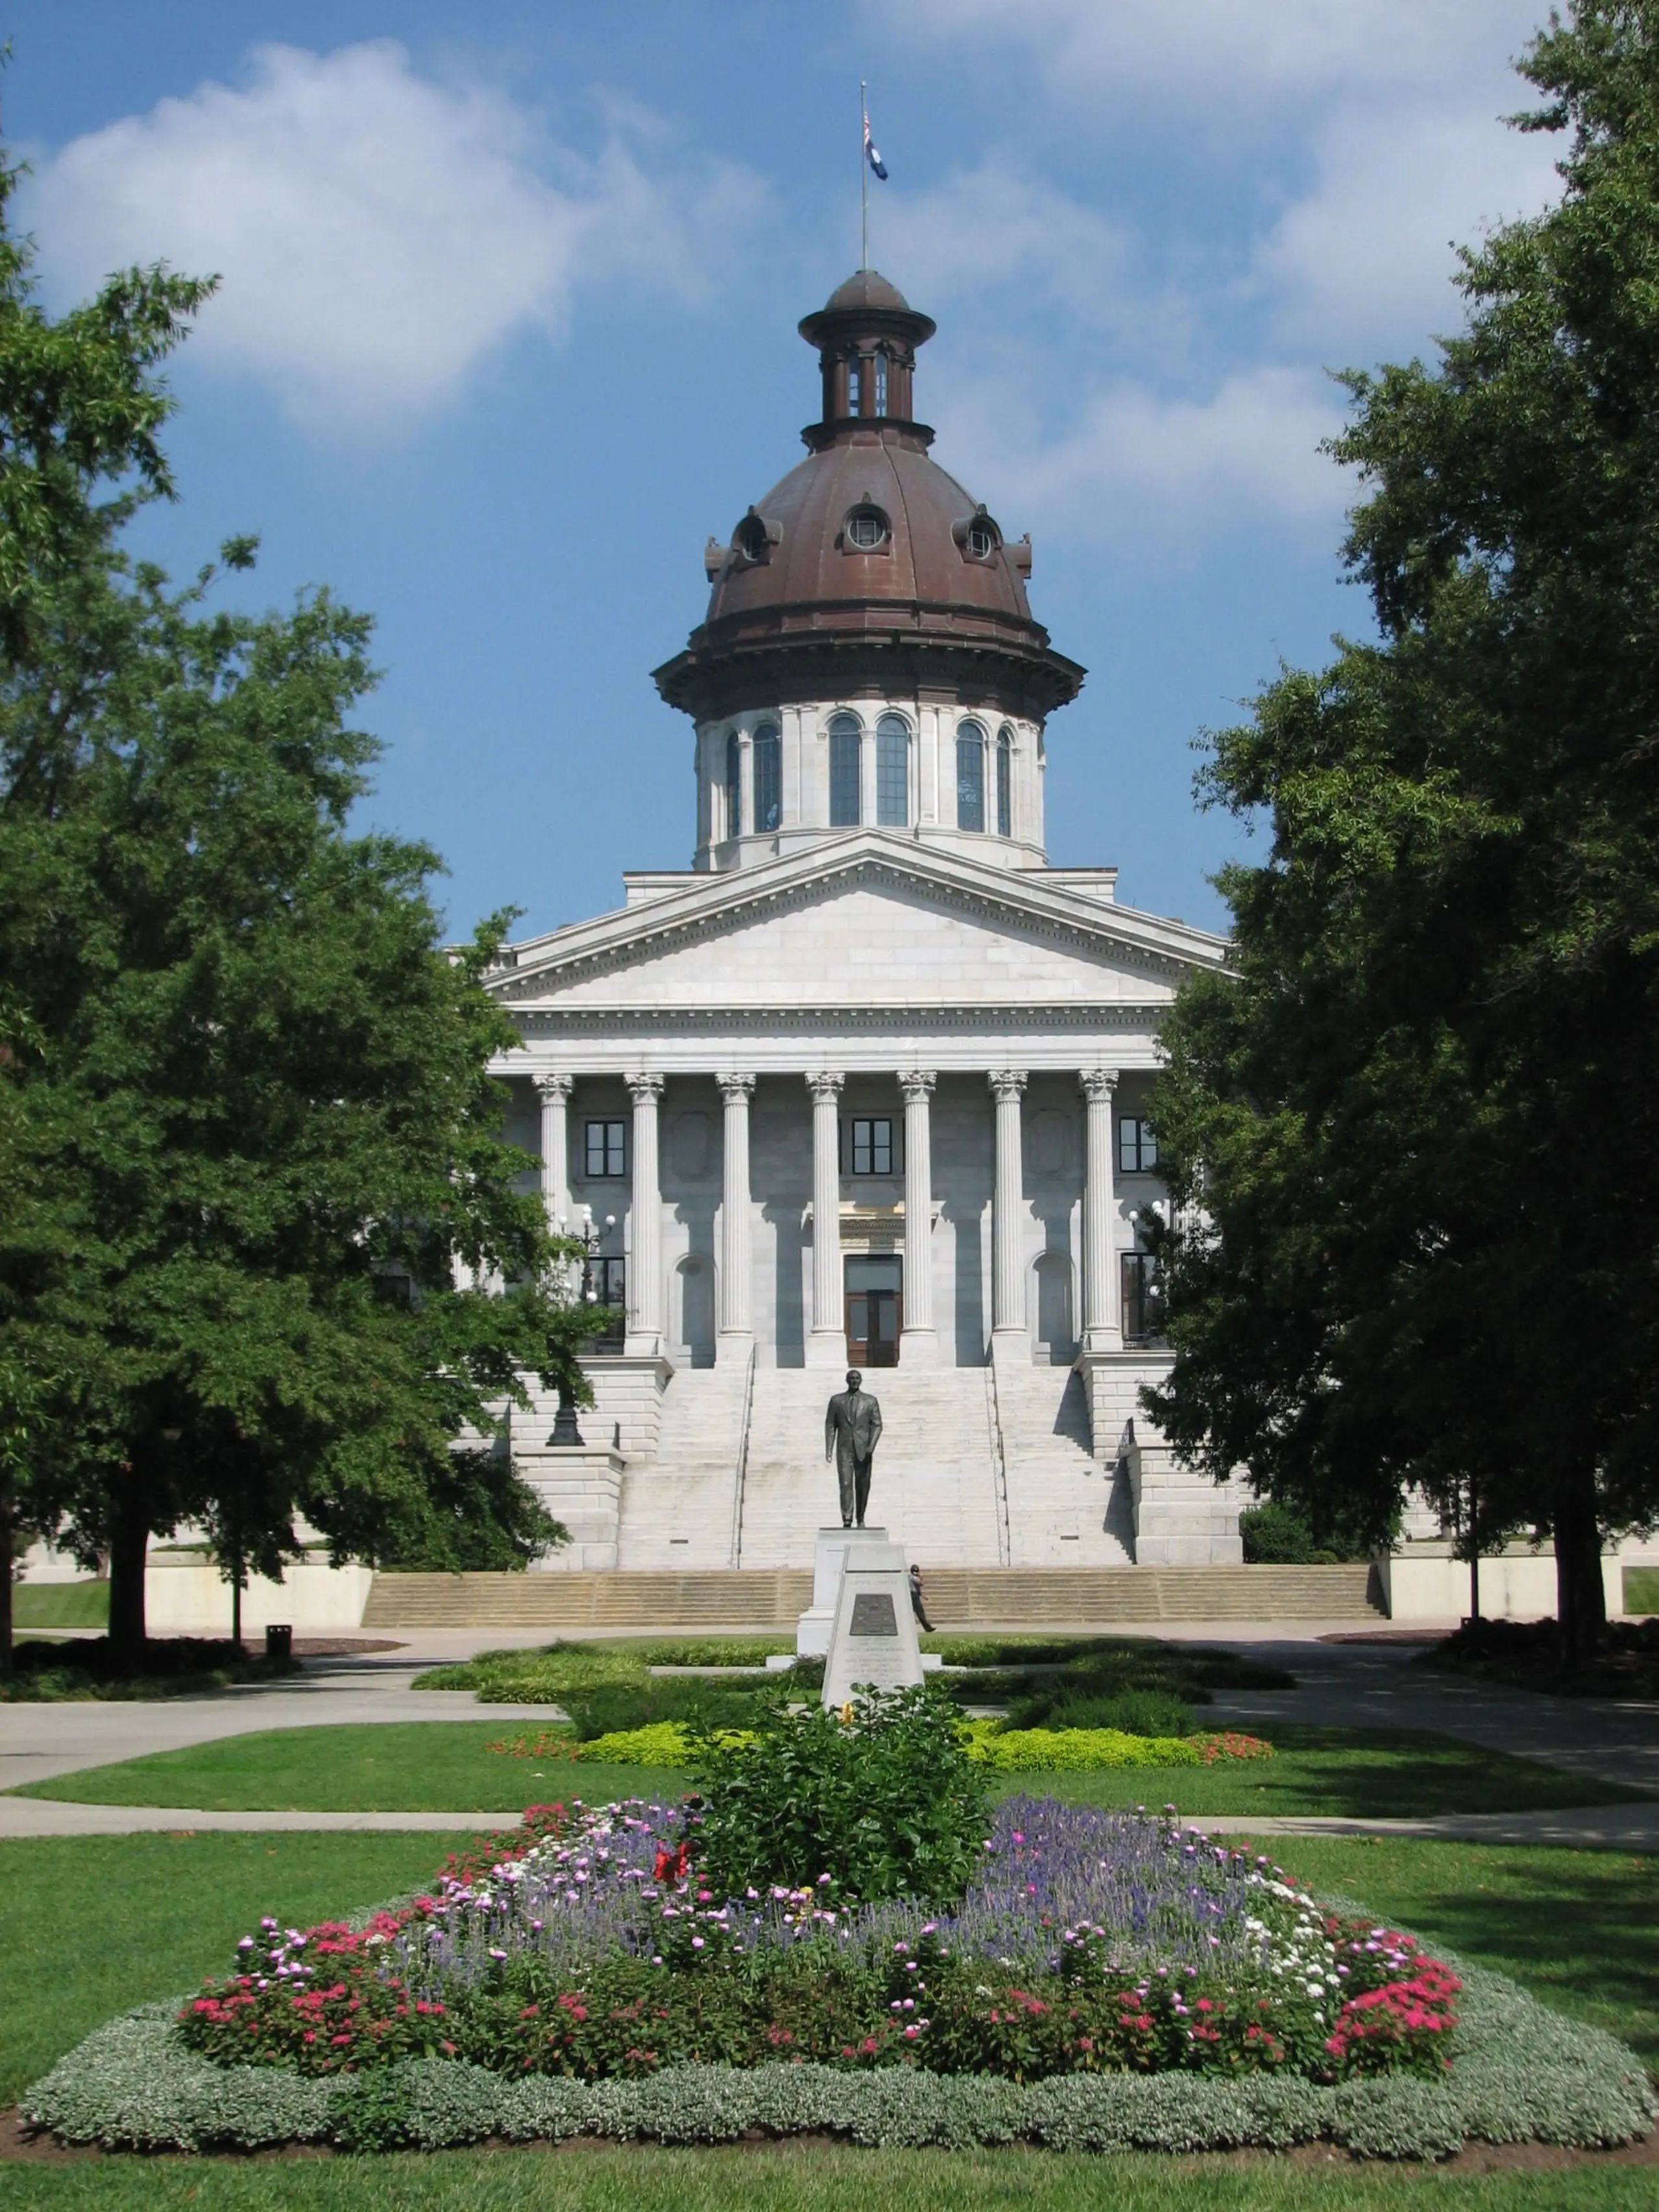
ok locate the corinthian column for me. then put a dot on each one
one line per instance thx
(1011, 1342)
(644, 1263)
(918, 1340)
(826, 1346)
(736, 1335)
(554, 1091)
(1103, 1326)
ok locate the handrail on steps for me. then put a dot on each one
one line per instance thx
(743, 1458)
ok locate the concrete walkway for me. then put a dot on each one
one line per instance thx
(1338, 1685)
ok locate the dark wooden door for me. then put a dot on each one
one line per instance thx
(875, 1309)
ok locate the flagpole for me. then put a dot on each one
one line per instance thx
(863, 176)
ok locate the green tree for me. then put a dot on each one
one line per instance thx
(80, 408)
(1413, 1139)
(258, 1112)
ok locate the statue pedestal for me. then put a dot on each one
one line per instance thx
(872, 1638)
(829, 1558)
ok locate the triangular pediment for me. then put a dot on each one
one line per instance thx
(867, 923)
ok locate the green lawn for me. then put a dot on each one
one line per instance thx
(410, 1766)
(91, 1924)
(1367, 1774)
(59, 1605)
(780, 2179)
(429, 1766)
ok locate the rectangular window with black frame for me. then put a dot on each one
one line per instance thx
(1137, 1146)
(1143, 1299)
(607, 1149)
(871, 1147)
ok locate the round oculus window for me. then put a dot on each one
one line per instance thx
(981, 540)
(866, 528)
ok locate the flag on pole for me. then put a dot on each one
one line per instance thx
(871, 153)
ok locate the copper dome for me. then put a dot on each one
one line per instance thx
(867, 568)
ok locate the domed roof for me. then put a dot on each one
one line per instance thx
(875, 482)
(866, 288)
(867, 545)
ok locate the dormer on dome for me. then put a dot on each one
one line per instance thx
(869, 655)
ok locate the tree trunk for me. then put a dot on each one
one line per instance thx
(129, 1541)
(7, 1543)
(1580, 1596)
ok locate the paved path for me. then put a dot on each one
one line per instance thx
(1378, 1686)
(1622, 1828)
(38, 1741)
(1339, 1685)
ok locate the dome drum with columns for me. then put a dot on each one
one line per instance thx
(867, 1083)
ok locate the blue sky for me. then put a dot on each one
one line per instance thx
(508, 329)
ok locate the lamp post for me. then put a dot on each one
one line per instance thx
(565, 1431)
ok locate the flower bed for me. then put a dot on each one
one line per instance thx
(1089, 1942)
(1519, 2072)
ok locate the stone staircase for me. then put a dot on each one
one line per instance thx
(936, 1486)
(957, 1597)
(1065, 1508)
(564, 1603)
(678, 1510)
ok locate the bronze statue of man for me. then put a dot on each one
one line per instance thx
(851, 1426)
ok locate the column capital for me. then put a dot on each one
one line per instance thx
(553, 1089)
(916, 1083)
(733, 1087)
(1097, 1084)
(824, 1085)
(1006, 1083)
(644, 1088)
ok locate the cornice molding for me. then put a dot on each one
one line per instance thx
(729, 903)
(838, 1021)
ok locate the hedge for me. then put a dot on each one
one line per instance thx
(1521, 2073)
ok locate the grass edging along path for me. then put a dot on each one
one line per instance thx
(446, 1765)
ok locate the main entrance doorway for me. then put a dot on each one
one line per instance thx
(875, 1309)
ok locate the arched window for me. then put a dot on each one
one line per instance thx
(1004, 783)
(769, 777)
(853, 388)
(881, 383)
(733, 786)
(846, 733)
(970, 776)
(892, 772)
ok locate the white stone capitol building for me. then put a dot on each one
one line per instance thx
(867, 1084)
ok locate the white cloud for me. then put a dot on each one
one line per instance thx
(1240, 59)
(1330, 151)
(377, 234)
(1154, 473)
(1362, 263)
(988, 225)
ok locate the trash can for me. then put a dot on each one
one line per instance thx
(279, 1642)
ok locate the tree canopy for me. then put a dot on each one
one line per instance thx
(1412, 1137)
(264, 1256)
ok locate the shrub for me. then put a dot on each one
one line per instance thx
(1064, 1703)
(1013, 1751)
(610, 1708)
(1273, 1536)
(890, 1804)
